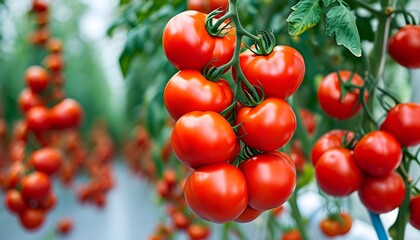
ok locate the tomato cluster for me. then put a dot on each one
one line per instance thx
(225, 185)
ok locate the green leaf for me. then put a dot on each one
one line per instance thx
(342, 23)
(327, 2)
(306, 14)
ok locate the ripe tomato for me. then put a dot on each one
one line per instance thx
(332, 226)
(217, 192)
(280, 73)
(337, 174)
(38, 119)
(36, 78)
(270, 178)
(47, 160)
(329, 140)
(39, 6)
(329, 95)
(55, 45)
(378, 153)
(189, 90)
(268, 126)
(66, 114)
(65, 226)
(14, 201)
(206, 6)
(49, 203)
(248, 215)
(404, 46)
(402, 122)
(28, 99)
(293, 234)
(14, 175)
(32, 219)
(309, 120)
(188, 45)
(382, 194)
(39, 36)
(298, 156)
(198, 232)
(415, 211)
(36, 186)
(179, 220)
(54, 62)
(202, 138)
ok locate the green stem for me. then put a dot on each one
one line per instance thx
(367, 7)
(297, 216)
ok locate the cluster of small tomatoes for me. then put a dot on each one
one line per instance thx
(46, 142)
(237, 172)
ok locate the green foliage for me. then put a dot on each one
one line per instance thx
(306, 14)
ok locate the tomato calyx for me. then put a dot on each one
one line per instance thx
(265, 44)
(217, 28)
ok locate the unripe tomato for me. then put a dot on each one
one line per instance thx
(189, 90)
(329, 95)
(382, 194)
(32, 219)
(38, 119)
(404, 46)
(202, 138)
(14, 201)
(66, 114)
(337, 174)
(402, 122)
(415, 212)
(280, 73)
(378, 153)
(36, 78)
(28, 99)
(216, 192)
(36, 186)
(268, 126)
(47, 160)
(248, 215)
(270, 179)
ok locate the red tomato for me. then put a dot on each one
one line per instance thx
(49, 203)
(39, 6)
(402, 122)
(332, 227)
(404, 46)
(280, 73)
(188, 45)
(65, 226)
(329, 140)
(32, 219)
(337, 174)
(179, 220)
(270, 178)
(309, 120)
(293, 234)
(66, 114)
(202, 138)
(382, 194)
(28, 100)
(54, 62)
(55, 45)
(36, 186)
(38, 119)
(36, 78)
(198, 232)
(14, 175)
(47, 160)
(298, 156)
(268, 126)
(329, 95)
(189, 90)
(217, 192)
(378, 153)
(14, 201)
(248, 215)
(415, 211)
(206, 6)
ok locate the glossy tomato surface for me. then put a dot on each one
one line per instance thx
(332, 139)
(404, 46)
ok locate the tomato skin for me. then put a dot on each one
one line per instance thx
(206, 6)
(415, 212)
(404, 46)
(270, 178)
(309, 120)
(14, 201)
(47, 160)
(65, 226)
(298, 156)
(248, 215)
(217, 192)
(36, 78)
(54, 62)
(280, 73)
(333, 227)
(293, 234)
(198, 232)
(402, 122)
(337, 173)
(268, 126)
(66, 114)
(329, 140)
(202, 138)
(382, 194)
(36, 186)
(28, 99)
(329, 95)
(32, 219)
(38, 119)
(39, 6)
(189, 90)
(378, 153)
